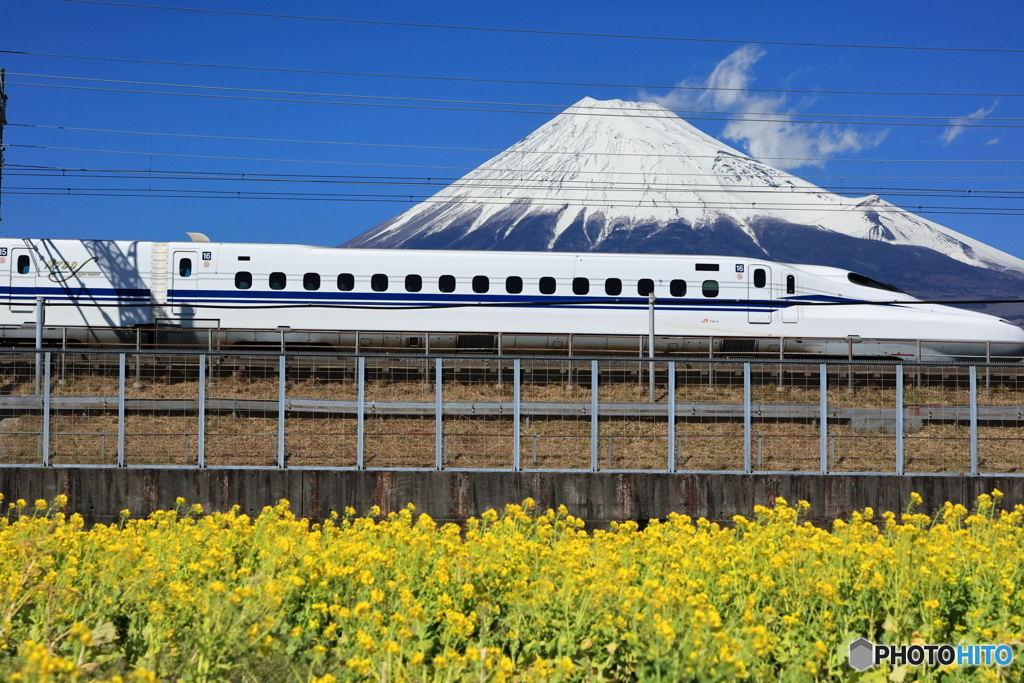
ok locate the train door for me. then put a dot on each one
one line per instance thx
(184, 283)
(23, 281)
(759, 289)
(790, 314)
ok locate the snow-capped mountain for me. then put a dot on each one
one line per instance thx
(634, 177)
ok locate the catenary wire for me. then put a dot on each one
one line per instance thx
(408, 198)
(726, 116)
(484, 182)
(550, 32)
(510, 81)
(784, 117)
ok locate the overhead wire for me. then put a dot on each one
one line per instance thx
(784, 117)
(484, 182)
(505, 81)
(551, 32)
(727, 116)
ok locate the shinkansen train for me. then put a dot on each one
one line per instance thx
(602, 301)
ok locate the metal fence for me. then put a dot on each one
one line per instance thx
(324, 410)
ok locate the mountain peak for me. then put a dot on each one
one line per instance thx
(612, 175)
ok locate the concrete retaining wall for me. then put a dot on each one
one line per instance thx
(599, 498)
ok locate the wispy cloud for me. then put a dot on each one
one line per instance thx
(993, 141)
(765, 126)
(957, 125)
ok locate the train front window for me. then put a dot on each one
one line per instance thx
(514, 284)
(311, 281)
(243, 280)
(580, 285)
(709, 288)
(278, 280)
(446, 283)
(645, 287)
(547, 285)
(481, 284)
(346, 282)
(24, 265)
(184, 267)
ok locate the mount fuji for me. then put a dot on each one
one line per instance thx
(632, 177)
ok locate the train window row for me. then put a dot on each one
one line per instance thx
(481, 284)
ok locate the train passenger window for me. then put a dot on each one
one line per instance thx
(184, 267)
(311, 281)
(481, 284)
(709, 288)
(677, 288)
(446, 283)
(379, 282)
(514, 284)
(613, 286)
(760, 277)
(346, 282)
(547, 285)
(278, 280)
(707, 266)
(243, 280)
(790, 284)
(24, 265)
(645, 287)
(580, 285)
(413, 283)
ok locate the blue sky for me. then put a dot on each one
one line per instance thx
(367, 170)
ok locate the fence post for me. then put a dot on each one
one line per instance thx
(593, 415)
(746, 419)
(823, 417)
(899, 419)
(438, 425)
(120, 409)
(360, 409)
(671, 416)
(516, 407)
(201, 437)
(281, 383)
(46, 409)
(974, 418)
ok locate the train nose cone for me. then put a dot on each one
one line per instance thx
(1007, 338)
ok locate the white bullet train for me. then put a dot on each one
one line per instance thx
(599, 302)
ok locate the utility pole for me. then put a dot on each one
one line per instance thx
(3, 122)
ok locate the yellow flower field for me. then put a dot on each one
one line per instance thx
(522, 595)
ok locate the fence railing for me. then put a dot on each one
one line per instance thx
(322, 410)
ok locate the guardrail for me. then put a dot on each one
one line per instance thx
(89, 407)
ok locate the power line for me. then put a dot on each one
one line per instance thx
(745, 116)
(582, 84)
(392, 198)
(725, 117)
(525, 152)
(61, 169)
(500, 182)
(550, 33)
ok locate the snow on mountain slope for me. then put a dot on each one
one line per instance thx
(609, 167)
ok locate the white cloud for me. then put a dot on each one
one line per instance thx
(992, 141)
(765, 127)
(957, 125)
